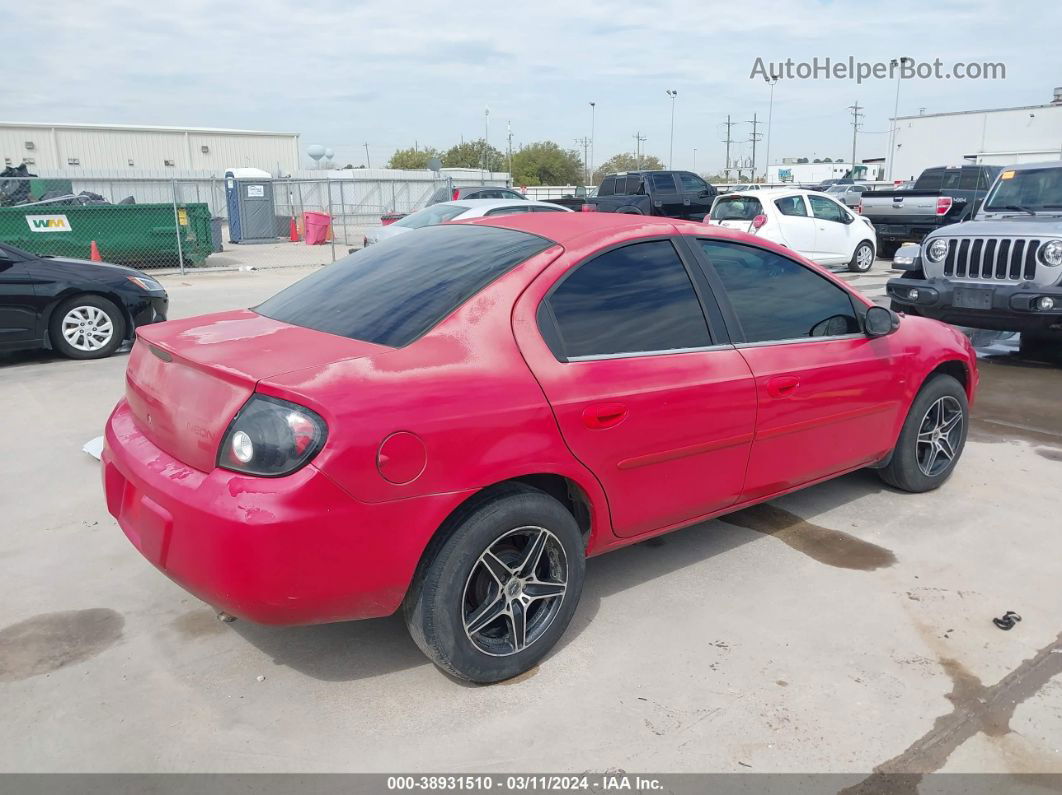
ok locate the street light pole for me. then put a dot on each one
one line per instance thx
(593, 114)
(895, 108)
(695, 160)
(770, 114)
(671, 149)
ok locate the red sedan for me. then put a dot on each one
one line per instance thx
(451, 421)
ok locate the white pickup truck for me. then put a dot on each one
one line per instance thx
(1002, 270)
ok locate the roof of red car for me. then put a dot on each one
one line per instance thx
(564, 227)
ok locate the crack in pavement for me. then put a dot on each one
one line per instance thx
(976, 709)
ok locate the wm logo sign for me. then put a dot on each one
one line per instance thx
(48, 223)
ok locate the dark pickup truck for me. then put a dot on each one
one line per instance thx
(676, 194)
(940, 196)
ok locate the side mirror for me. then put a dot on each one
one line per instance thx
(759, 221)
(880, 321)
(908, 257)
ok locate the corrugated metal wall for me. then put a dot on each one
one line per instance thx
(56, 147)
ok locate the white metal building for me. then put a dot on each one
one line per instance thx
(995, 137)
(132, 148)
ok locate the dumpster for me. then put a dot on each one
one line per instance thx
(317, 225)
(140, 235)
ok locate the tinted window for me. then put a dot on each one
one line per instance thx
(938, 179)
(663, 183)
(778, 299)
(508, 210)
(632, 299)
(393, 292)
(976, 178)
(430, 216)
(547, 209)
(511, 194)
(608, 187)
(826, 210)
(691, 183)
(736, 208)
(791, 205)
(486, 194)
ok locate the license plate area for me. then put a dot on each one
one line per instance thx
(972, 298)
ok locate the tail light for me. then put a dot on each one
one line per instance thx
(456, 194)
(944, 205)
(859, 208)
(588, 208)
(271, 438)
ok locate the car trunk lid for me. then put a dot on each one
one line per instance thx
(186, 379)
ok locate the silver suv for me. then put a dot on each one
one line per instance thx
(1000, 270)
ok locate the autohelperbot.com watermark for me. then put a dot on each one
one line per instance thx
(851, 69)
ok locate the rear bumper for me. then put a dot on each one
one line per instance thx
(291, 550)
(1012, 306)
(901, 231)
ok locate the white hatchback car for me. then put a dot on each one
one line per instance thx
(811, 223)
(459, 210)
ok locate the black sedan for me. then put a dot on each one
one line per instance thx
(82, 309)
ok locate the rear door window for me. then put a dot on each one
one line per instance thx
(395, 291)
(633, 299)
(791, 205)
(663, 183)
(608, 187)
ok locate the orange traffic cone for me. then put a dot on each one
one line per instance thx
(94, 253)
(293, 235)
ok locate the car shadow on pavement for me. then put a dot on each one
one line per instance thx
(359, 650)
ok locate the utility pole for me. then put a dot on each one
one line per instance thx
(753, 139)
(367, 163)
(856, 116)
(728, 141)
(638, 139)
(585, 143)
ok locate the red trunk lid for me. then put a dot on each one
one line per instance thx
(186, 379)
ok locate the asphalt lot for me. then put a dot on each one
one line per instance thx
(844, 628)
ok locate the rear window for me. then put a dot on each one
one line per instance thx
(736, 208)
(608, 187)
(395, 291)
(938, 179)
(430, 216)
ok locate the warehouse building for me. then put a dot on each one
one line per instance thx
(995, 137)
(127, 148)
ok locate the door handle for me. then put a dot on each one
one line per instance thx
(782, 386)
(604, 415)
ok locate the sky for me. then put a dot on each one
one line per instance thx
(343, 74)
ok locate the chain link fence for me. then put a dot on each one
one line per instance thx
(208, 222)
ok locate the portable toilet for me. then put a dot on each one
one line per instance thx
(249, 195)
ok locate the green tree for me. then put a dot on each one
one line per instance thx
(545, 163)
(412, 158)
(474, 154)
(626, 161)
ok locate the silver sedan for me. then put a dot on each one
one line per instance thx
(459, 210)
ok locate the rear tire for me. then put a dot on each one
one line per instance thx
(87, 327)
(932, 438)
(862, 258)
(500, 591)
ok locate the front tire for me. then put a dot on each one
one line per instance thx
(862, 258)
(501, 590)
(932, 438)
(87, 327)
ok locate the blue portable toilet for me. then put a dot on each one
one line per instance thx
(249, 196)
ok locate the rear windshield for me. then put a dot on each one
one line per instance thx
(430, 216)
(395, 291)
(736, 208)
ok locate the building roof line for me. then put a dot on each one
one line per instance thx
(146, 128)
(970, 112)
